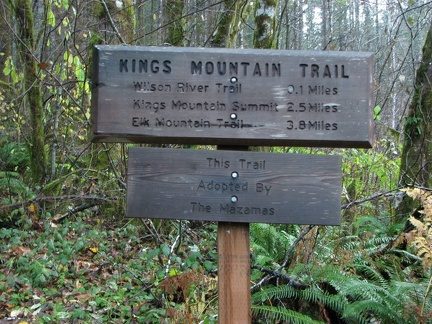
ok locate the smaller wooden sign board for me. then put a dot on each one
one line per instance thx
(234, 186)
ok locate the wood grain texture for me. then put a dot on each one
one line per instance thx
(232, 97)
(234, 273)
(266, 187)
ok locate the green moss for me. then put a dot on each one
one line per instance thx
(265, 25)
(176, 28)
(98, 10)
(416, 159)
(38, 161)
(221, 35)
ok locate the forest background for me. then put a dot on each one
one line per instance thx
(67, 254)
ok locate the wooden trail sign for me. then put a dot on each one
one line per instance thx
(232, 97)
(233, 186)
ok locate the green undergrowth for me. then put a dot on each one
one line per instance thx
(82, 271)
(68, 256)
(85, 269)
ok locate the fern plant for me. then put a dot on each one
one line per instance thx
(343, 295)
(421, 236)
(348, 279)
(269, 242)
(277, 314)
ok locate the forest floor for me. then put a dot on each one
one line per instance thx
(88, 270)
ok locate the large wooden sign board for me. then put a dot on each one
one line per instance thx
(232, 186)
(232, 97)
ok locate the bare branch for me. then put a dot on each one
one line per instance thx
(276, 274)
(111, 21)
(90, 199)
(298, 239)
(373, 197)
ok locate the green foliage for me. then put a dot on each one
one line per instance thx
(14, 159)
(94, 267)
(79, 270)
(413, 125)
(275, 314)
(13, 155)
(377, 111)
(357, 277)
(312, 295)
(9, 70)
(367, 172)
(13, 186)
(270, 242)
(356, 299)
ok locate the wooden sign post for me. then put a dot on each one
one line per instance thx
(234, 273)
(233, 99)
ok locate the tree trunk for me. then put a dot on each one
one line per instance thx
(118, 16)
(416, 160)
(325, 26)
(6, 43)
(176, 28)
(229, 25)
(265, 35)
(33, 93)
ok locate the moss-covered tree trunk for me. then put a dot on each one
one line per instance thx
(230, 23)
(265, 35)
(119, 16)
(416, 164)
(33, 94)
(177, 25)
(6, 46)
